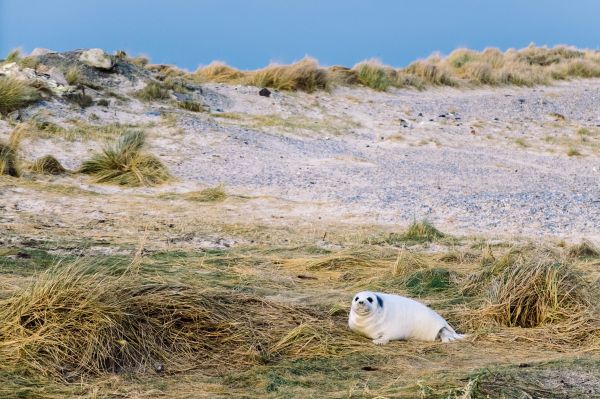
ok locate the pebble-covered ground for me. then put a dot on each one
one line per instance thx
(493, 161)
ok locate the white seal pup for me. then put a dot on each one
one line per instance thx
(387, 317)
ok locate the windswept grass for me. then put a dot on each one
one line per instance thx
(47, 165)
(218, 72)
(15, 94)
(73, 75)
(463, 68)
(373, 74)
(304, 75)
(584, 250)
(9, 161)
(125, 163)
(540, 289)
(76, 320)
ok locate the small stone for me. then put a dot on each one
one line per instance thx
(56, 75)
(264, 92)
(97, 58)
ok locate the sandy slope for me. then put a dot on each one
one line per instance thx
(490, 161)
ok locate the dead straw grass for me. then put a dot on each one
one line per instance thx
(75, 320)
(47, 165)
(9, 160)
(538, 291)
(125, 163)
(463, 67)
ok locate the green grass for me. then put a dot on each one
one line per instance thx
(125, 163)
(73, 75)
(153, 91)
(374, 75)
(189, 105)
(428, 281)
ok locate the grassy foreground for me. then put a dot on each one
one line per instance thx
(260, 320)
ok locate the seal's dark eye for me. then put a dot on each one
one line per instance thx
(355, 299)
(370, 299)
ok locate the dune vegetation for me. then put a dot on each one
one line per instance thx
(270, 321)
(462, 68)
(125, 163)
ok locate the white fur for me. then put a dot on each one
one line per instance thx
(399, 318)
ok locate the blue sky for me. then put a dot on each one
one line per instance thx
(251, 33)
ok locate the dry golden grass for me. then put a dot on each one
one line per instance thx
(9, 160)
(463, 67)
(125, 163)
(304, 75)
(84, 319)
(47, 165)
(218, 72)
(15, 94)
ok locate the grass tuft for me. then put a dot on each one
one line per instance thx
(47, 165)
(535, 291)
(9, 161)
(212, 194)
(15, 94)
(218, 72)
(373, 74)
(422, 231)
(153, 91)
(584, 250)
(73, 75)
(304, 75)
(124, 163)
(189, 105)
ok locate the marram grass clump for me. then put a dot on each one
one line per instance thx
(47, 165)
(153, 91)
(85, 319)
(126, 164)
(534, 291)
(304, 75)
(15, 94)
(9, 161)
(373, 74)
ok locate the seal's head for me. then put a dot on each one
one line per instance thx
(366, 303)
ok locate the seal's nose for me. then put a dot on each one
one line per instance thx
(361, 302)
